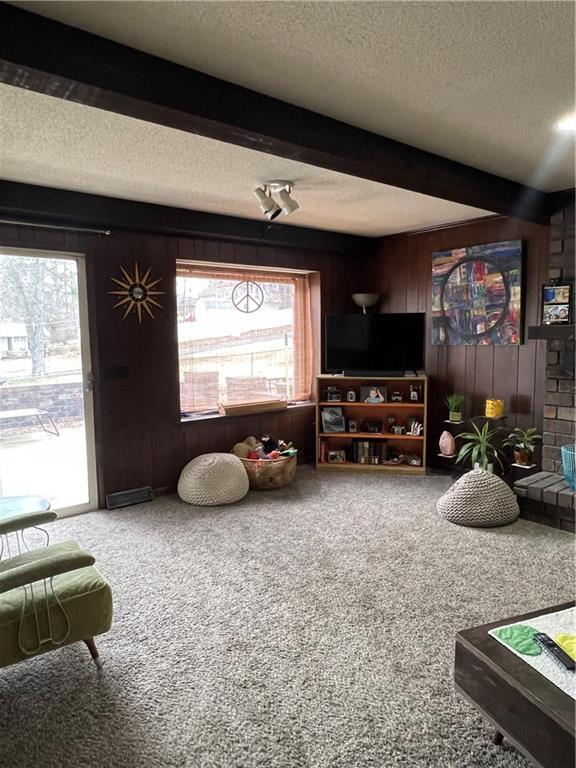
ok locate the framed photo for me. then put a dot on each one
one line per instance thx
(373, 394)
(333, 420)
(556, 303)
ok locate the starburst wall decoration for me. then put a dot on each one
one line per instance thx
(137, 292)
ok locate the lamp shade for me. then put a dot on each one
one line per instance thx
(365, 299)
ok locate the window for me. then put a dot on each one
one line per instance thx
(243, 336)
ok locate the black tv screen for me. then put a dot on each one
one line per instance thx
(380, 343)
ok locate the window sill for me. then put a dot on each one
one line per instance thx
(210, 416)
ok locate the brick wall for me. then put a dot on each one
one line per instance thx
(559, 409)
(62, 401)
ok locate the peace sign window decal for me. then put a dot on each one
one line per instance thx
(247, 296)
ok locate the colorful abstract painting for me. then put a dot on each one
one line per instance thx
(477, 294)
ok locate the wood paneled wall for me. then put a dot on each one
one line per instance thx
(402, 273)
(140, 439)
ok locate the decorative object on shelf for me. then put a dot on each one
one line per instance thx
(477, 294)
(480, 448)
(416, 428)
(352, 425)
(569, 465)
(373, 394)
(479, 499)
(336, 457)
(394, 458)
(333, 420)
(556, 303)
(523, 442)
(391, 421)
(415, 393)
(413, 459)
(365, 300)
(351, 396)
(398, 430)
(333, 395)
(447, 444)
(454, 403)
(396, 397)
(374, 427)
(494, 408)
(137, 292)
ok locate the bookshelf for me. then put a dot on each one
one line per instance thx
(353, 435)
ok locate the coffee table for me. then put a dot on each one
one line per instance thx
(525, 707)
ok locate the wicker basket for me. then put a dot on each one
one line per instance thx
(265, 475)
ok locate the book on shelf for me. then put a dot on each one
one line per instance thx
(368, 451)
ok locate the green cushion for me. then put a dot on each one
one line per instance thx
(85, 596)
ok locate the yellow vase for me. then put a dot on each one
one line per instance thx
(494, 408)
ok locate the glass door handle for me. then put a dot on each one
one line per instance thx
(89, 382)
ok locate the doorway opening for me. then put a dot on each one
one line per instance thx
(46, 405)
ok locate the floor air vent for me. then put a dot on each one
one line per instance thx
(127, 498)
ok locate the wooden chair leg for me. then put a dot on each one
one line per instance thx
(94, 652)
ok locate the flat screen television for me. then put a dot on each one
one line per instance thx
(363, 344)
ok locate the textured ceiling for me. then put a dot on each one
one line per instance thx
(54, 143)
(479, 82)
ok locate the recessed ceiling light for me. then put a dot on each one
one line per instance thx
(566, 123)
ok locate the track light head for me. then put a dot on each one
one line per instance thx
(268, 206)
(288, 204)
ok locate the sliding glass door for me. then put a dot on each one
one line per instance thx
(46, 410)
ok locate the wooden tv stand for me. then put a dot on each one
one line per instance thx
(383, 444)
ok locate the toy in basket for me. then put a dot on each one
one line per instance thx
(268, 463)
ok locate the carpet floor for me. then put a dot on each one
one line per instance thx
(307, 627)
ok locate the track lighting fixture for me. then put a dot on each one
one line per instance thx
(269, 207)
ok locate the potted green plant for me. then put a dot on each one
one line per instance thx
(522, 442)
(479, 446)
(455, 403)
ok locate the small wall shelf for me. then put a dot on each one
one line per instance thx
(551, 331)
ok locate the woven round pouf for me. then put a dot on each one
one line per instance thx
(213, 479)
(479, 499)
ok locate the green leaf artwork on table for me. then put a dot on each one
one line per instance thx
(520, 637)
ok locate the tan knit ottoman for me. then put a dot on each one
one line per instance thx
(479, 499)
(213, 479)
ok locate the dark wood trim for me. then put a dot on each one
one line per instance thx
(26, 203)
(559, 200)
(48, 57)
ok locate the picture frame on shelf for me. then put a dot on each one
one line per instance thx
(556, 303)
(333, 420)
(374, 394)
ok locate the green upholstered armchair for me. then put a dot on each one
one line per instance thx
(49, 597)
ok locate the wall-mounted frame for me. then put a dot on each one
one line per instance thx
(556, 303)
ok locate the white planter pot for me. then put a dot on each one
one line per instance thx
(489, 468)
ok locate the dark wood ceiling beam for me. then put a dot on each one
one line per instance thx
(46, 56)
(26, 203)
